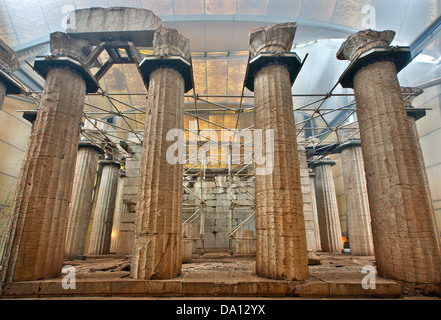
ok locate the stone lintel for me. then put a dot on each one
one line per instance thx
(289, 59)
(363, 41)
(400, 56)
(136, 25)
(273, 38)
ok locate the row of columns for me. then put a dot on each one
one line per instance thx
(404, 233)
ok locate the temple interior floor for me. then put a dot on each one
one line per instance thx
(215, 275)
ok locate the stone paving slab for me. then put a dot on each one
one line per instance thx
(215, 275)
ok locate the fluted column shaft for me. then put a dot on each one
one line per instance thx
(329, 219)
(158, 237)
(80, 208)
(315, 212)
(406, 242)
(99, 242)
(406, 239)
(281, 250)
(357, 202)
(35, 247)
(308, 212)
(120, 207)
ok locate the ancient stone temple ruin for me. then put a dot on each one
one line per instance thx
(158, 163)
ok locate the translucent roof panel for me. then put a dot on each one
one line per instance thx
(219, 36)
(25, 22)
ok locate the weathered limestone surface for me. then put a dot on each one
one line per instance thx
(276, 38)
(8, 64)
(172, 43)
(362, 41)
(120, 207)
(310, 220)
(187, 247)
(245, 246)
(100, 236)
(64, 45)
(406, 240)
(158, 234)
(190, 230)
(281, 250)
(80, 207)
(329, 219)
(315, 212)
(126, 233)
(8, 58)
(357, 202)
(114, 19)
(35, 247)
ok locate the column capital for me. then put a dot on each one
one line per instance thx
(349, 144)
(70, 53)
(170, 42)
(272, 45)
(87, 144)
(362, 41)
(109, 162)
(369, 46)
(171, 50)
(325, 161)
(274, 38)
(9, 63)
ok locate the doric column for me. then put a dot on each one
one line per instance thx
(158, 230)
(315, 211)
(406, 240)
(281, 249)
(329, 219)
(357, 202)
(35, 248)
(310, 226)
(120, 207)
(99, 242)
(413, 115)
(8, 64)
(80, 207)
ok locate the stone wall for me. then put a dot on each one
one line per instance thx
(130, 192)
(219, 193)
